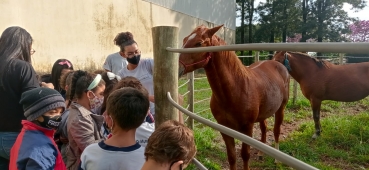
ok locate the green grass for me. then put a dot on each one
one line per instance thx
(344, 143)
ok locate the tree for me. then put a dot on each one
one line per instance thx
(359, 31)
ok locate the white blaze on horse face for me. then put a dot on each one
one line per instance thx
(189, 38)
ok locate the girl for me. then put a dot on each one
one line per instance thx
(60, 67)
(83, 125)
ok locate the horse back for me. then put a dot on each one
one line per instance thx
(272, 80)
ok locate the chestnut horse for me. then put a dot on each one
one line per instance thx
(320, 80)
(241, 95)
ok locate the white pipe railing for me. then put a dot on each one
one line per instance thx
(355, 47)
(280, 156)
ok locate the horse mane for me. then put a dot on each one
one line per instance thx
(319, 62)
(232, 60)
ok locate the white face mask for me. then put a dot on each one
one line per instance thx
(95, 103)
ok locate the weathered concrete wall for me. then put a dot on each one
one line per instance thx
(83, 31)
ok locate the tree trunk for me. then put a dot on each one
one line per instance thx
(285, 18)
(271, 38)
(304, 20)
(242, 23)
(251, 14)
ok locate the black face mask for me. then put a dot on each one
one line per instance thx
(50, 122)
(134, 60)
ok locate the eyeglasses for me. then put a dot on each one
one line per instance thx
(33, 51)
(131, 54)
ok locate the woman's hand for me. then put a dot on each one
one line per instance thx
(48, 85)
(152, 99)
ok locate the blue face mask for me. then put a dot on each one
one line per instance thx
(134, 60)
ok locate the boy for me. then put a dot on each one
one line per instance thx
(171, 146)
(126, 110)
(35, 147)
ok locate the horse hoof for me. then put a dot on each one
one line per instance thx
(315, 136)
(260, 158)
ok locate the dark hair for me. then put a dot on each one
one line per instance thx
(15, 43)
(66, 79)
(125, 82)
(124, 39)
(128, 107)
(80, 82)
(109, 85)
(56, 72)
(171, 142)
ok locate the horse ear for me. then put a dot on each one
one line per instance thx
(212, 31)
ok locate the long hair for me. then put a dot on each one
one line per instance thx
(56, 72)
(15, 43)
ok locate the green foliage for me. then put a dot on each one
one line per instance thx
(344, 143)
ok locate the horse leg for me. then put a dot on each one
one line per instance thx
(245, 151)
(278, 120)
(315, 104)
(263, 129)
(231, 151)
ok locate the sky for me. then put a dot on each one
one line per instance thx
(362, 14)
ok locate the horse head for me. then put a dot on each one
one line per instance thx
(283, 57)
(200, 37)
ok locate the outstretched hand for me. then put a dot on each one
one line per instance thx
(48, 85)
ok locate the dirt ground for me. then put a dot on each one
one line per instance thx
(286, 129)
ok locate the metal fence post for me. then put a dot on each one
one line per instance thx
(294, 92)
(256, 56)
(341, 58)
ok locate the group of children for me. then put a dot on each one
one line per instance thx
(82, 120)
(118, 108)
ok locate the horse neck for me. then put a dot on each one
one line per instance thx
(224, 70)
(301, 66)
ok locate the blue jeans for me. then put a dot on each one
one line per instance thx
(7, 140)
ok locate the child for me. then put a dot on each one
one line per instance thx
(126, 110)
(83, 122)
(35, 147)
(171, 146)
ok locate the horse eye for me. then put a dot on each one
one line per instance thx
(198, 44)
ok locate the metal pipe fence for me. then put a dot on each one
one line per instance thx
(280, 156)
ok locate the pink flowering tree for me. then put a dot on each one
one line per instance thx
(359, 31)
(297, 37)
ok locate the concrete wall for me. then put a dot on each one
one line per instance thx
(83, 31)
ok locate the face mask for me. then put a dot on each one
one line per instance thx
(134, 60)
(50, 122)
(95, 103)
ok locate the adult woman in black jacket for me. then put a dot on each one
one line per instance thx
(16, 76)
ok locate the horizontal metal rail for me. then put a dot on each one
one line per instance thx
(203, 110)
(184, 83)
(280, 156)
(199, 78)
(202, 100)
(184, 94)
(202, 89)
(354, 47)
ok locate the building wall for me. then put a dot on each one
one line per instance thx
(83, 31)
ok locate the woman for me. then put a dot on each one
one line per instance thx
(60, 67)
(83, 125)
(140, 69)
(16, 76)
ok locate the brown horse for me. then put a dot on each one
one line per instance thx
(320, 80)
(241, 95)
